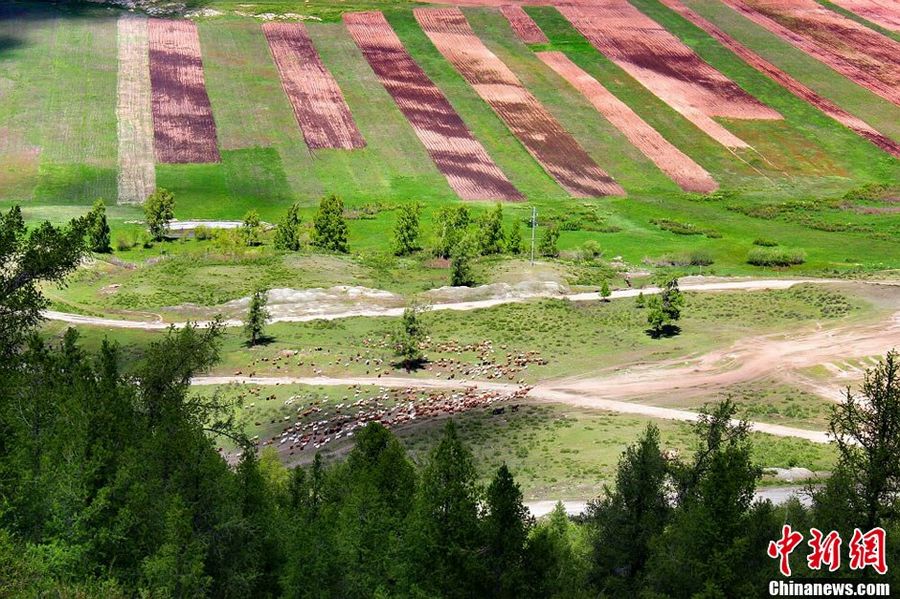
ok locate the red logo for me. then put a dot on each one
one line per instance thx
(782, 548)
(868, 550)
(825, 550)
(865, 549)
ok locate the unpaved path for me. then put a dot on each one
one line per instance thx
(377, 311)
(748, 359)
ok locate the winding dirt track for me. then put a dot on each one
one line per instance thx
(378, 311)
(748, 359)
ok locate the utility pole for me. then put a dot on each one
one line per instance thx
(533, 227)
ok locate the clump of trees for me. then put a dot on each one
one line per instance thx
(159, 210)
(330, 226)
(98, 229)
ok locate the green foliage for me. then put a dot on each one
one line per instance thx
(640, 301)
(491, 239)
(548, 244)
(680, 228)
(763, 242)
(768, 256)
(451, 223)
(203, 233)
(410, 336)
(604, 290)
(406, 230)
(43, 254)
(514, 239)
(862, 492)
(462, 272)
(287, 233)
(330, 227)
(159, 209)
(251, 229)
(98, 229)
(637, 509)
(257, 314)
(665, 308)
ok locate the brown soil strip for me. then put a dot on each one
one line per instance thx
(862, 55)
(134, 115)
(541, 134)
(881, 12)
(524, 26)
(183, 125)
(469, 169)
(319, 104)
(665, 66)
(759, 63)
(689, 175)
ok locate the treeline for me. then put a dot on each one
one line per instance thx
(111, 485)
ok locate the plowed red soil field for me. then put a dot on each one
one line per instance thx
(881, 12)
(689, 175)
(183, 125)
(524, 26)
(853, 123)
(541, 134)
(319, 105)
(861, 54)
(665, 66)
(472, 174)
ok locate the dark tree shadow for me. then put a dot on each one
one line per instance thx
(410, 365)
(261, 340)
(668, 330)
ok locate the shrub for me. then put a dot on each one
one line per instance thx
(764, 242)
(697, 257)
(251, 229)
(202, 233)
(158, 211)
(680, 228)
(124, 242)
(590, 250)
(548, 244)
(763, 256)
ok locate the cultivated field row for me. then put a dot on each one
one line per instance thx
(541, 134)
(834, 111)
(523, 25)
(881, 12)
(319, 105)
(183, 126)
(853, 50)
(134, 117)
(665, 66)
(471, 173)
(689, 175)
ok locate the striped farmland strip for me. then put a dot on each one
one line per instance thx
(319, 105)
(665, 66)
(862, 55)
(831, 109)
(469, 169)
(524, 26)
(541, 134)
(881, 12)
(134, 116)
(183, 125)
(689, 175)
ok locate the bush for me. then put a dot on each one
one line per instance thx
(679, 228)
(202, 233)
(159, 209)
(590, 250)
(689, 258)
(763, 256)
(124, 242)
(548, 245)
(764, 242)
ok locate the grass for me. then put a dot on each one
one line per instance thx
(555, 452)
(572, 338)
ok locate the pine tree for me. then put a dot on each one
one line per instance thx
(665, 308)
(491, 239)
(548, 244)
(406, 230)
(604, 291)
(98, 229)
(506, 526)
(514, 239)
(159, 210)
(462, 273)
(330, 227)
(287, 233)
(256, 317)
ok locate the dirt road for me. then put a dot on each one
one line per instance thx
(379, 311)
